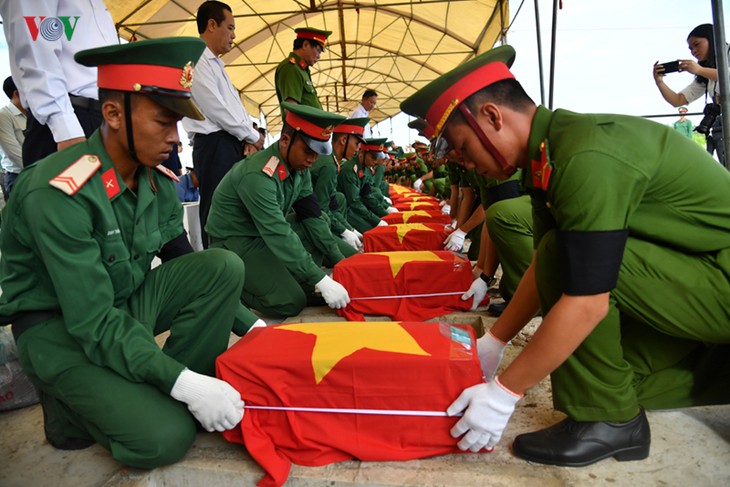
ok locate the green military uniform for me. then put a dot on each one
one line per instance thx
(354, 181)
(293, 80)
(324, 182)
(324, 173)
(441, 181)
(249, 217)
(669, 284)
(85, 306)
(380, 185)
(509, 223)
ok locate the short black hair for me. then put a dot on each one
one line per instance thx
(211, 9)
(508, 92)
(298, 43)
(262, 130)
(9, 87)
(368, 93)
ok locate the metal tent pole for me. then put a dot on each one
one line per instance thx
(552, 52)
(539, 53)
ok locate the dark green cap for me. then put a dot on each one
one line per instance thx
(314, 125)
(159, 68)
(376, 144)
(436, 101)
(353, 126)
(418, 124)
(312, 34)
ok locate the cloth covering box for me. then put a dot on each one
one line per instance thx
(405, 236)
(372, 391)
(417, 205)
(404, 285)
(418, 216)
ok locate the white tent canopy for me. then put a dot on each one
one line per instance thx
(394, 47)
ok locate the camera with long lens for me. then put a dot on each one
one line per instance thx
(711, 112)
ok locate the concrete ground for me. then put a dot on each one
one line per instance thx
(690, 447)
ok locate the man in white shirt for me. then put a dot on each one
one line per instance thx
(12, 124)
(218, 140)
(368, 102)
(61, 95)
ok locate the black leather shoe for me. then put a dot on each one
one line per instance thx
(572, 443)
(496, 309)
(55, 426)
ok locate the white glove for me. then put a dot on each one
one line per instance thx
(351, 239)
(451, 226)
(488, 409)
(382, 223)
(388, 200)
(213, 402)
(455, 240)
(478, 290)
(333, 292)
(417, 184)
(446, 209)
(359, 235)
(258, 324)
(392, 209)
(442, 203)
(490, 350)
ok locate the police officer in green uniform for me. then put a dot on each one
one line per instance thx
(292, 78)
(81, 231)
(249, 217)
(345, 140)
(630, 270)
(355, 182)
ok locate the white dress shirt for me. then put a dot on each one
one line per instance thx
(44, 70)
(12, 124)
(219, 101)
(360, 112)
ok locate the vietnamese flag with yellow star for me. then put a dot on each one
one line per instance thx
(414, 198)
(417, 205)
(417, 216)
(405, 236)
(318, 393)
(411, 286)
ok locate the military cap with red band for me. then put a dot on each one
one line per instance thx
(314, 125)
(159, 68)
(312, 34)
(373, 144)
(436, 101)
(353, 126)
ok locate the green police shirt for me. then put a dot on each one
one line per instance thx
(613, 172)
(293, 80)
(253, 200)
(84, 254)
(351, 181)
(324, 181)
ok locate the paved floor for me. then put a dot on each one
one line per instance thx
(690, 447)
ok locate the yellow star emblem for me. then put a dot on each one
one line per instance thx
(399, 259)
(338, 340)
(417, 205)
(403, 228)
(407, 215)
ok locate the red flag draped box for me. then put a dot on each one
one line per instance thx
(404, 285)
(405, 236)
(396, 189)
(413, 198)
(416, 205)
(418, 216)
(351, 390)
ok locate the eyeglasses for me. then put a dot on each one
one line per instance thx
(319, 47)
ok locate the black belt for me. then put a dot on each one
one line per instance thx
(85, 103)
(29, 319)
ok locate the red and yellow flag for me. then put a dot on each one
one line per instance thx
(417, 216)
(405, 236)
(318, 393)
(411, 286)
(417, 205)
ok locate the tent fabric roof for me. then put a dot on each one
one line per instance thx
(392, 46)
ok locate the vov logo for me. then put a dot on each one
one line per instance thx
(52, 28)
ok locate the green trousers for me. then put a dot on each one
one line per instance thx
(359, 223)
(195, 297)
(509, 223)
(272, 289)
(664, 342)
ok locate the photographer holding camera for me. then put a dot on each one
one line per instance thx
(701, 44)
